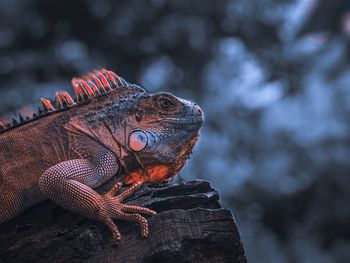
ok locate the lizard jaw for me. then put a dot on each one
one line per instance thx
(161, 172)
(185, 155)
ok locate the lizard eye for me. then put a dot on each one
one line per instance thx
(165, 103)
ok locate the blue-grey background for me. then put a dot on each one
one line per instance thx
(272, 76)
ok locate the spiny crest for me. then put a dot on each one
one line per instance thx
(95, 84)
(86, 88)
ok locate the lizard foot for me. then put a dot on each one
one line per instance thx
(112, 208)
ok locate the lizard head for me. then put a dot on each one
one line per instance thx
(151, 134)
(161, 135)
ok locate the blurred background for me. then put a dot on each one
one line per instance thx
(273, 78)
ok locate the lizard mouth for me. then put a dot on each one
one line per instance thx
(178, 121)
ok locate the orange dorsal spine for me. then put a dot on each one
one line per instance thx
(86, 88)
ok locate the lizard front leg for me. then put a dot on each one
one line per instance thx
(70, 184)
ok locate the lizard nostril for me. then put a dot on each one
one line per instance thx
(198, 111)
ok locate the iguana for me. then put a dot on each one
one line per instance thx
(112, 128)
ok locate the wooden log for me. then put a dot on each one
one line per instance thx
(190, 227)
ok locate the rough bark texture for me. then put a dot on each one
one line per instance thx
(190, 227)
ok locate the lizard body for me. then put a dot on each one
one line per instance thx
(112, 128)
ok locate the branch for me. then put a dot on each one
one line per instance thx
(190, 227)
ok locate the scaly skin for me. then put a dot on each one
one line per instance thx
(112, 128)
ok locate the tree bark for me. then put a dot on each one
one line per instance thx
(190, 226)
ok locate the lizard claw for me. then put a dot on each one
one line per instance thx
(121, 197)
(114, 189)
(112, 208)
